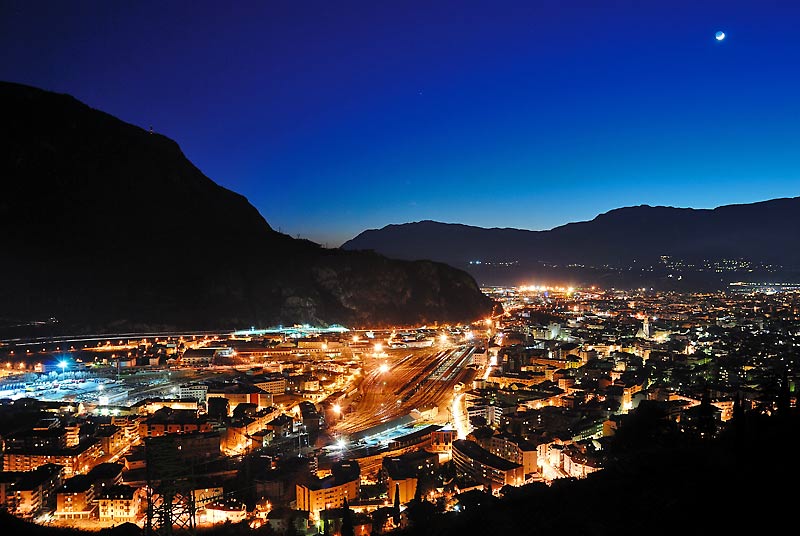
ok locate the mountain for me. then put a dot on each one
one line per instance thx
(634, 244)
(106, 226)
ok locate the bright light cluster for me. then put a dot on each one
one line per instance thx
(545, 288)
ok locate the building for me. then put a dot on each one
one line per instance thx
(173, 421)
(442, 439)
(119, 503)
(319, 346)
(207, 494)
(199, 445)
(403, 485)
(248, 432)
(579, 461)
(404, 472)
(199, 357)
(330, 492)
(75, 460)
(274, 384)
(75, 498)
(8, 480)
(129, 425)
(284, 520)
(152, 405)
(27, 493)
(261, 438)
(472, 460)
(280, 426)
(112, 439)
(47, 434)
(193, 391)
(312, 418)
(106, 475)
(514, 449)
(224, 510)
(550, 454)
(239, 393)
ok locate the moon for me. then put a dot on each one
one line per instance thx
(720, 36)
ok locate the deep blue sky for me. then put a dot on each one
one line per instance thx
(337, 116)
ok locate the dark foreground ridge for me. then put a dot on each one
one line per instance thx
(104, 225)
(657, 482)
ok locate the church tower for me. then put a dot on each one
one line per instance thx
(646, 331)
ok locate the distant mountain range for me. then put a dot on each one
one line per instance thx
(704, 248)
(106, 226)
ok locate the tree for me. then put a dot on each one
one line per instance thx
(738, 421)
(218, 408)
(347, 520)
(379, 518)
(784, 395)
(396, 509)
(420, 513)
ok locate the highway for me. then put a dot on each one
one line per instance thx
(403, 381)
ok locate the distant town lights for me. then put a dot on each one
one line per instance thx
(546, 288)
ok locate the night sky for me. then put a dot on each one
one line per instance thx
(332, 117)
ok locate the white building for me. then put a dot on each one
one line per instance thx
(193, 390)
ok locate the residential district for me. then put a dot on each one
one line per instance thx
(301, 427)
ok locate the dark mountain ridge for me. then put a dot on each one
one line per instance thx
(104, 225)
(763, 233)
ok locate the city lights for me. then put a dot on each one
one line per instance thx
(399, 270)
(464, 375)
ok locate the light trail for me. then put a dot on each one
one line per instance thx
(489, 366)
(459, 422)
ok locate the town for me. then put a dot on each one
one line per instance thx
(307, 428)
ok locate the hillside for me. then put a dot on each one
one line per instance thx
(105, 226)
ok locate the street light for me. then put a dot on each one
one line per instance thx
(62, 364)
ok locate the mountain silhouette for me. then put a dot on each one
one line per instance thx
(107, 226)
(759, 238)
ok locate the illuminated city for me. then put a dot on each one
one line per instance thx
(529, 395)
(399, 268)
